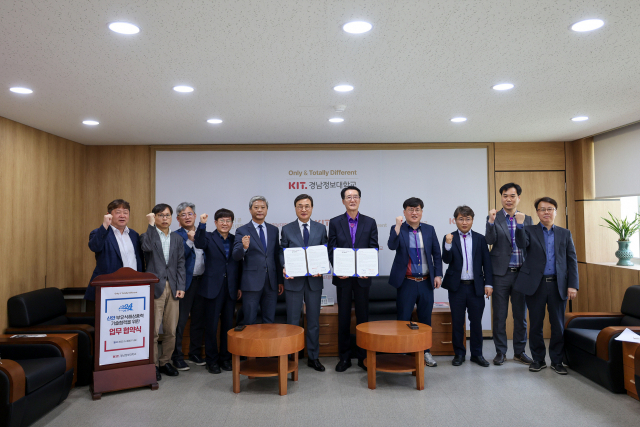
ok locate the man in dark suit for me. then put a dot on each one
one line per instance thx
(548, 278)
(468, 279)
(351, 230)
(304, 233)
(506, 260)
(164, 255)
(417, 266)
(114, 244)
(219, 287)
(192, 305)
(257, 245)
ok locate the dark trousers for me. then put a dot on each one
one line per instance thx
(546, 295)
(190, 303)
(311, 298)
(461, 301)
(265, 298)
(348, 292)
(218, 309)
(502, 291)
(411, 293)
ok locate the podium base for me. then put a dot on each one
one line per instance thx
(122, 379)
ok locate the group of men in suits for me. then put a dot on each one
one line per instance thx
(203, 274)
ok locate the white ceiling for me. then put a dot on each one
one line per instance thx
(267, 68)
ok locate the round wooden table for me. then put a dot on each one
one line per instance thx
(266, 341)
(394, 336)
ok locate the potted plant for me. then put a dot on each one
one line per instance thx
(624, 229)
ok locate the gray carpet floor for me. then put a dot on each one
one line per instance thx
(468, 395)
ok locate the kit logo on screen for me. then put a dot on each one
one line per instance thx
(126, 307)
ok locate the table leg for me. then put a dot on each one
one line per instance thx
(371, 369)
(283, 361)
(235, 364)
(420, 370)
(294, 374)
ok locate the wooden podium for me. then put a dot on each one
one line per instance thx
(124, 332)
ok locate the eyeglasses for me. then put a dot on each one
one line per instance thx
(225, 221)
(303, 208)
(352, 198)
(463, 220)
(187, 215)
(414, 210)
(165, 216)
(543, 210)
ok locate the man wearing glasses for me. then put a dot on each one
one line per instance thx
(192, 302)
(164, 255)
(417, 266)
(548, 278)
(351, 230)
(304, 233)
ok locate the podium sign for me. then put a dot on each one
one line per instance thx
(124, 324)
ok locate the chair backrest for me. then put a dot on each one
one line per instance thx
(381, 290)
(39, 307)
(631, 302)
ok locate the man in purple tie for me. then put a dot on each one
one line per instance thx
(351, 230)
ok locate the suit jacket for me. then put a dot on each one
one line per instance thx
(499, 236)
(189, 257)
(217, 265)
(401, 244)
(258, 265)
(174, 271)
(108, 258)
(530, 275)
(291, 237)
(482, 270)
(340, 237)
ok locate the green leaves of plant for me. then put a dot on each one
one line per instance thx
(623, 228)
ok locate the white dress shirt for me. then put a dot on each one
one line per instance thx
(467, 256)
(127, 252)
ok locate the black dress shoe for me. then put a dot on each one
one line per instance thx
(213, 368)
(315, 364)
(537, 366)
(559, 368)
(499, 359)
(457, 360)
(181, 365)
(225, 365)
(343, 365)
(480, 361)
(168, 369)
(523, 358)
(158, 376)
(361, 364)
(197, 360)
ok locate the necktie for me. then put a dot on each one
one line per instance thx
(262, 238)
(511, 231)
(305, 235)
(466, 257)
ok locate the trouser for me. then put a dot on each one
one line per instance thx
(312, 299)
(412, 293)
(502, 290)
(218, 309)
(546, 296)
(461, 301)
(348, 292)
(194, 304)
(265, 298)
(166, 310)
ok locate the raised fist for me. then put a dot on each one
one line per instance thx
(520, 217)
(399, 221)
(152, 219)
(107, 221)
(449, 238)
(192, 235)
(204, 218)
(245, 241)
(492, 216)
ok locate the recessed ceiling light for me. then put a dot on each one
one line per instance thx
(503, 86)
(184, 89)
(459, 119)
(20, 90)
(343, 88)
(357, 27)
(90, 122)
(214, 121)
(580, 119)
(124, 28)
(587, 25)
(336, 120)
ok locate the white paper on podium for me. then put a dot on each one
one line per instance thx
(318, 260)
(295, 262)
(344, 262)
(629, 336)
(367, 262)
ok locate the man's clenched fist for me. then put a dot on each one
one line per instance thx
(449, 238)
(245, 241)
(107, 221)
(520, 217)
(192, 235)
(203, 218)
(492, 216)
(152, 219)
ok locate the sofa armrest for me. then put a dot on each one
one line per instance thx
(568, 317)
(606, 335)
(63, 346)
(53, 329)
(17, 380)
